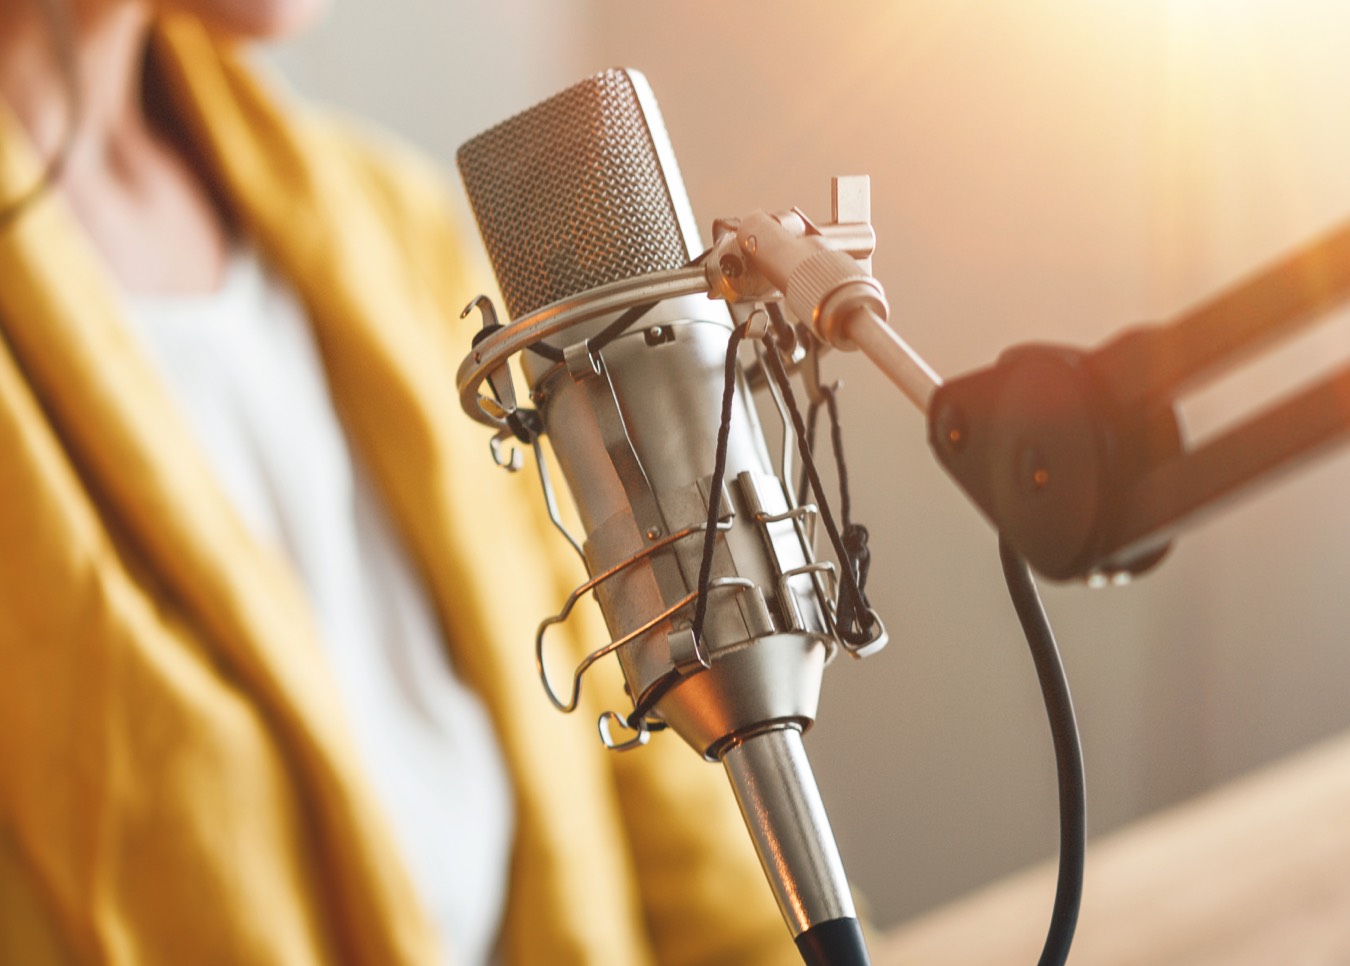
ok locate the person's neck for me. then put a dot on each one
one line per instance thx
(131, 178)
(107, 48)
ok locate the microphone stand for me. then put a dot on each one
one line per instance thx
(1079, 455)
(1075, 456)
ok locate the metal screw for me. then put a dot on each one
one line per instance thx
(659, 335)
(731, 266)
(951, 428)
(653, 533)
(1034, 474)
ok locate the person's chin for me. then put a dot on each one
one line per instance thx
(256, 19)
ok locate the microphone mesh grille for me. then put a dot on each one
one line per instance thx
(571, 194)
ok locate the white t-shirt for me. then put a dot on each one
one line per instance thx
(243, 365)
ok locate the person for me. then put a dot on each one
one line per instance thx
(265, 605)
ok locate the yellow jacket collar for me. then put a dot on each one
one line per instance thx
(61, 315)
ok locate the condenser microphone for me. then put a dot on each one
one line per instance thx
(584, 216)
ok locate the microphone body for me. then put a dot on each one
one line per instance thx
(577, 193)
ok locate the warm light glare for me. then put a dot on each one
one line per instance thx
(1250, 160)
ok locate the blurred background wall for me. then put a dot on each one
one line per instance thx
(1041, 170)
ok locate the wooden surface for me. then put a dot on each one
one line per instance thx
(1256, 872)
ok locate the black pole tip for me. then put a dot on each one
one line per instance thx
(836, 942)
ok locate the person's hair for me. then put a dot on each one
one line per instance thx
(62, 31)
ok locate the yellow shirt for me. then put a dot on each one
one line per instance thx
(177, 783)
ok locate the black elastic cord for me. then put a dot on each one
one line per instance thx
(1068, 753)
(606, 335)
(855, 534)
(620, 325)
(715, 488)
(853, 609)
(616, 328)
(654, 694)
(837, 440)
(855, 553)
(670, 678)
(551, 353)
(812, 415)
